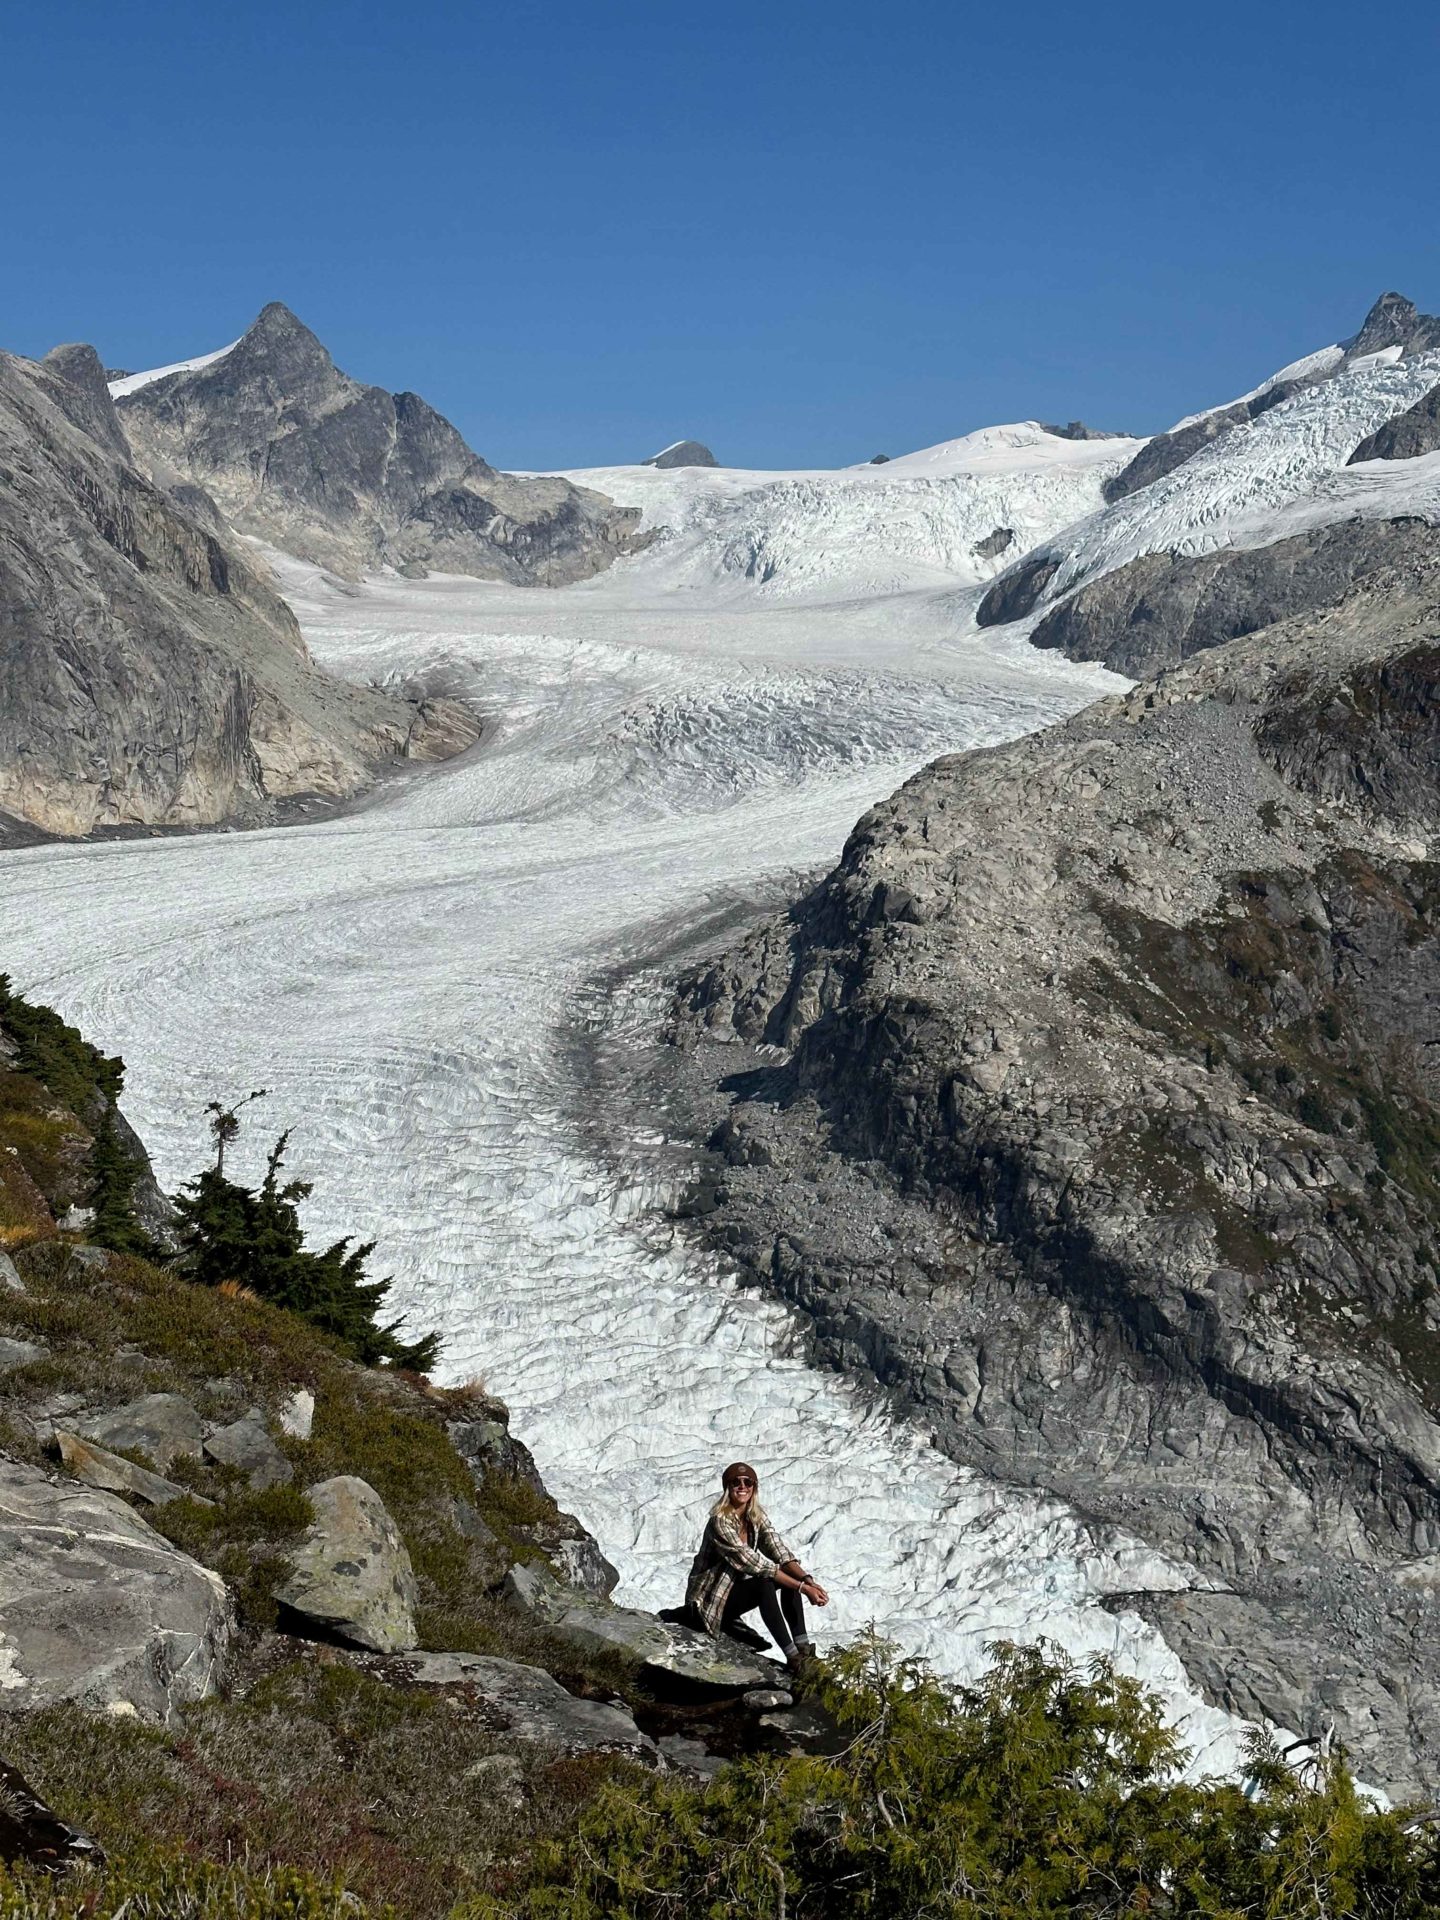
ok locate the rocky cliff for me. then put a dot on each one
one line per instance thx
(1091, 1106)
(149, 674)
(297, 453)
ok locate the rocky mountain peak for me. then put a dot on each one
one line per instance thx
(683, 453)
(296, 452)
(74, 378)
(1394, 321)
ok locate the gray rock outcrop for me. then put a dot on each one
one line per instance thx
(162, 1426)
(246, 1445)
(350, 1575)
(674, 1658)
(99, 1609)
(297, 453)
(1089, 1106)
(1407, 436)
(684, 453)
(1160, 609)
(97, 1468)
(534, 1708)
(149, 674)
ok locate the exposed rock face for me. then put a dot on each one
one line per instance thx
(97, 1608)
(994, 544)
(296, 452)
(97, 1468)
(163, 1426)
(148, 674)
(1077, 430)
(1407, 436)
(1161, 608)
(1017, 592)
(534, 1708)
(485, 1443)
(684, 453)
(246, 1444)
(1392, 322)
(351, 1575)
(1105, 1127)
(674, 1658)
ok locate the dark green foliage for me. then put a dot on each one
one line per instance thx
(1037, 1796)
(252, 1238)
(56, 1053)
(52, 1055)
(113, 1175)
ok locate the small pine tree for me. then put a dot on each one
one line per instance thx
(253, 1237)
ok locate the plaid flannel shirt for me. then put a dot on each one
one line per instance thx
(726, 1556)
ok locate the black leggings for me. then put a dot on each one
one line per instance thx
(781, 1608)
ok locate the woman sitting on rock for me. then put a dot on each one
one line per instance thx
(743, 1563)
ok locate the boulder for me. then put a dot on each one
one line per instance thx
(534, 1707)
(580, 1563)
(97, 1608)
(246, 1444)
(675, 1659)
(19, 1353)
(109, 1471)
(350, 1575)
(160, 1425)
(33, 1834)
(689, 1756)
(10, 1274)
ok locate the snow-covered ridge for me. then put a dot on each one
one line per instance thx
(133, 382)
(1270, 477)
(937, 517)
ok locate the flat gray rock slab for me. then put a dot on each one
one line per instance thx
(160, 1425)
(246, 1444)
(97, 1608)
(674, 1658)
(108, 1471)
(350, 1575)
(533, 1706)
(19, 1353)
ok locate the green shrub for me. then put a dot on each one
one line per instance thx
(58, 1054)
(1036, 1796)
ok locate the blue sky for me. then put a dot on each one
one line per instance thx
(805, 233)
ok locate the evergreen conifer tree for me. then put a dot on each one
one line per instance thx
(253, 1238)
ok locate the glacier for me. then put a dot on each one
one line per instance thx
(669, 746)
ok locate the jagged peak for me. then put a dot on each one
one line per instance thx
(1393, 321)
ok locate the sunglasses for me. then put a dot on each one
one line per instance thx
(742, 1480)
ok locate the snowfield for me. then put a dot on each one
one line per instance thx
(672, 745)
(1279, 474)
(912, 522)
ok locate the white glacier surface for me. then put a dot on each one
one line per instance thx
(407, 981)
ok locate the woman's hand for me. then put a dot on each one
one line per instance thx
(814, 1592)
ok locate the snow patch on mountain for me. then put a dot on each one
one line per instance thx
(133, 382)
(1262, 480)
